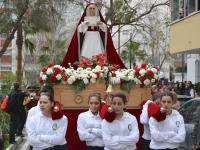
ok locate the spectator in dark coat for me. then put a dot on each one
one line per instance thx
(17, 112)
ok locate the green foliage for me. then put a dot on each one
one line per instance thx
(78, 86)
(133, 52)
(53, 51)
(197, 88)
(4, 125)
(127, 85)
(6, 83)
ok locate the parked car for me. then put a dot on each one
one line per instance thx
(189, 111)
(183, 98)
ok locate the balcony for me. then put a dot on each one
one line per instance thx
(185, 34)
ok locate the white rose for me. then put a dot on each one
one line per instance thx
(93, 80)
(85, 80)
(153, 80)
(44, 77)
(98, 67)
(49, 71)
(58, 77)
(154, 70)
(142, 72)
(146, 82)
(101, 75)
(115, 80)
(70, 81)
(41, 74)
(79, 69)
(137, 81)
(93, 75)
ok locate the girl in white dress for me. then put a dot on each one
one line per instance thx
(89, 124)
(169, 133)
(44, 130)
(122, 133)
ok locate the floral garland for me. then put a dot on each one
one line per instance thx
(89, 70)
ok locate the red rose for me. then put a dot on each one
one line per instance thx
(150, 73)
(40, 80)
(102, 56)
(142, 78)
(100, 63)
(44, 69)
(144, 66)
(137, 70)
(57, 70)
(156, 67)
(50, 65)
(53, 78)
(89, 64)
(65, 77)
(94, 57)
(81, 65)
(84, 60)
(97, 73)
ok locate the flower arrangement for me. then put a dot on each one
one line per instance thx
(89, 70)
(143, 75)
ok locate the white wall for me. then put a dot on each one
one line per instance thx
(193, 67)
(178, 77)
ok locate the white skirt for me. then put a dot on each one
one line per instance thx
(92, 44)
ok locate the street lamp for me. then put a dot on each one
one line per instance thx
(130, 49)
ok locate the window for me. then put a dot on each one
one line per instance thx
(174, 9)
(198, 5)
(191, 6)
(5, 68)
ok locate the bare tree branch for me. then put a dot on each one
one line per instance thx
(153, 6)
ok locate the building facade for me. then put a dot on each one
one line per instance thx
(185, 35)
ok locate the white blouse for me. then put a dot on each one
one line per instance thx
(121, 134)
(168, 133)
(144, 119)
(89, 129)
(43, 132)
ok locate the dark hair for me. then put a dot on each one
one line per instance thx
(47, 88)
(167, 93)
(95, 94)
(120, 95)
(16, 86)
(51, 98)
(156, 96)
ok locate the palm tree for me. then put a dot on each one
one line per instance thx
(132, 52)
(53, 51)
(35, 20)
